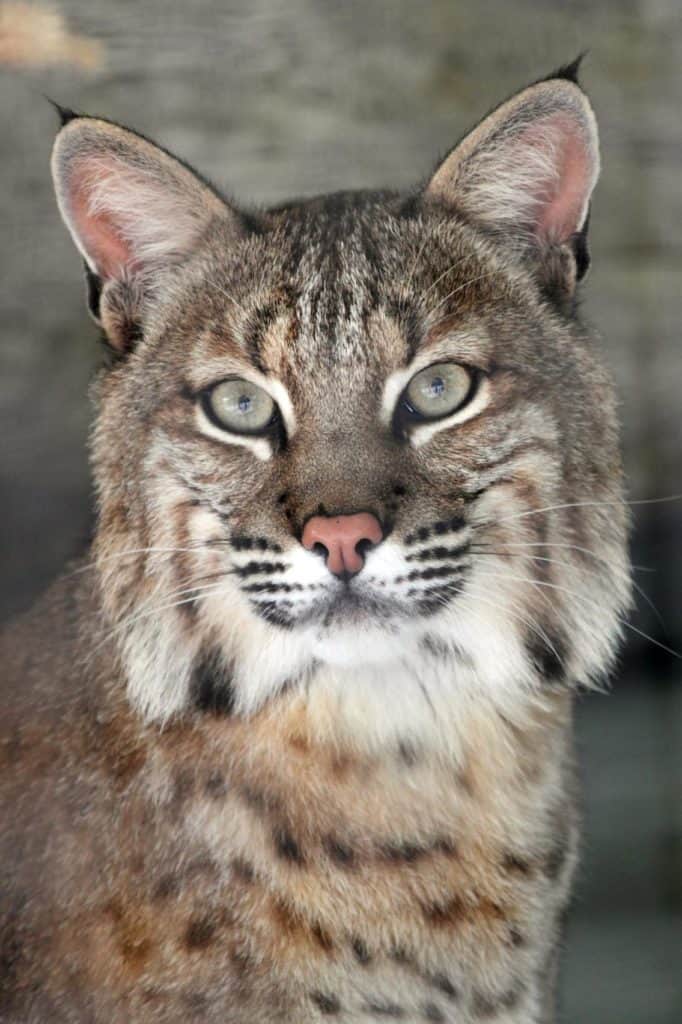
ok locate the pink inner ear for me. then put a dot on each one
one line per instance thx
(561, 198)
(103, 240)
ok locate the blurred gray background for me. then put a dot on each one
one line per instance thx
(272, 98)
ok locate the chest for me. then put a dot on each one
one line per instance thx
(407, 887)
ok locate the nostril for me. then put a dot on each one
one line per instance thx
(364, 546)
(320, 549)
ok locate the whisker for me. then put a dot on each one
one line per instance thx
(198, 593)
(590, 572)
(588, 504)
(515, 614)
(129, 554)
(571, 547)
(438, 280)
(455, 291)
(586, 601)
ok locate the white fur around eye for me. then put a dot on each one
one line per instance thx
(260, 446)
(422, 432)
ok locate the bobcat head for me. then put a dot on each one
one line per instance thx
(356, 448)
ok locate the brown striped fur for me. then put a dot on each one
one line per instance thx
(230, 793)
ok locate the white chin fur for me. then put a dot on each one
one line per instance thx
(357, 646)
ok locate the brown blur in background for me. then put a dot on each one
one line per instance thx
(271, 98)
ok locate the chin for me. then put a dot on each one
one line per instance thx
(364, 642)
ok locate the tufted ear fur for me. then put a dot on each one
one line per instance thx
(526, 173)
(133, 211)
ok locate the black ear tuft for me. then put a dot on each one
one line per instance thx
(65, 114)
(569, 72)
(581, 249)
(93, 284)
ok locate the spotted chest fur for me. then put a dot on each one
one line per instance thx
(294, 742)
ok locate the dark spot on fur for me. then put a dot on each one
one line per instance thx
(242, 870)
(199, 933)
(444, 914)
(555, 859)
(196, 1002)
(118, 744)
(404, 852)
(443, 983)
(450, 525)
(433, 599)
(407, 753)
(516, 864)
(216, 786)
(287, 847)
(436, 647)
(131, 932)
(322, 938)
(340, 852)
(547, 655)
(168, 885)
(273, 612)
(362, 954)
(433, 1013)
(516, 937)
(326, 1003)
(254, 798)
(491, 1006)
(183, 787)
(212, 687)
(241, 961)
(251, 568)
(384, 1009)
(448, 847)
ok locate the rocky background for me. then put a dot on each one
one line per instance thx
(272, 98)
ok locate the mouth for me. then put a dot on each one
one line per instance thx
(355, 603)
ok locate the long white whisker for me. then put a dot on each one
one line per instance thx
(616, 569)
(586, 601)
(587, 504)
(136, 551)
(140, 615)
(514, 613)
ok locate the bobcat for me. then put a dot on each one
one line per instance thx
(293, 743)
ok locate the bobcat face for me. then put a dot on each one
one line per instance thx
(355, 434)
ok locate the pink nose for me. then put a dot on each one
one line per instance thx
(340, 535)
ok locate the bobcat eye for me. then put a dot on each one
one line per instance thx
(438, 391)
(239, 406)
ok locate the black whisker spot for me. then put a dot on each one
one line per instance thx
(253, 567)
(434, 572)
(272, 588)
(456, 522)
(438, 552)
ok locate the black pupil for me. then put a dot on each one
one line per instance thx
(244, 403)
(437, 387)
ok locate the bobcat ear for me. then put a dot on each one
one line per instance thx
(526, 173)
(133, 211)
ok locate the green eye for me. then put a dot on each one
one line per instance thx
(239, 406)
(439, 390)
